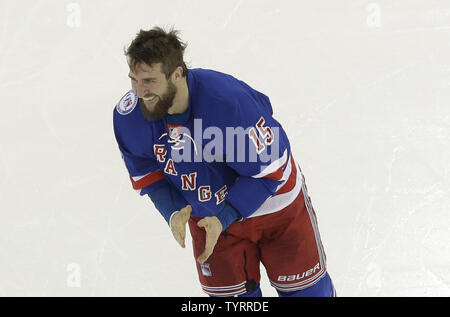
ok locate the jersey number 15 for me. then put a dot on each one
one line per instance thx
(265, 133)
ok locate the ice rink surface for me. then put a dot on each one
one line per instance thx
(361, 87)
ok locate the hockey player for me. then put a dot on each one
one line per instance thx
(206, 149)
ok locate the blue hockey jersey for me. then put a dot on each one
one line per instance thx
(225, 147)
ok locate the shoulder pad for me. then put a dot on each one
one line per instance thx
(127, 103)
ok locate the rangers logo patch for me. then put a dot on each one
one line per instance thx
(127, 103)
(206, 270)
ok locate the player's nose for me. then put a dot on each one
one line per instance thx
(141, 91)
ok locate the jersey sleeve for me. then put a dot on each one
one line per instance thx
(133, 137)
(259, 155)
(144, 173)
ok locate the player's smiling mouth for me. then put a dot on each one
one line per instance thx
(149, 98)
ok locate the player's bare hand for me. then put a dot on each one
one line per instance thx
(178, 224)
(213, 229)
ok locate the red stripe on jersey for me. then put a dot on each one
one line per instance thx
(278, 174)
(147, 180)
(291, 181)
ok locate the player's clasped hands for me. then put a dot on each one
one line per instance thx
(212, 226)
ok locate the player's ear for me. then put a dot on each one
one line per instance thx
(177, 73)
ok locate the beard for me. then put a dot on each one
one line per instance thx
(160, 110)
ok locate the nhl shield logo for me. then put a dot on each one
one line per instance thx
(178, 136)
(127, 103)
(174, 132)
(206, 270)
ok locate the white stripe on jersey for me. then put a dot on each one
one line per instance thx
(137, 178)
(223, 288)
(280, 201)
(274, 166)
(232, 290)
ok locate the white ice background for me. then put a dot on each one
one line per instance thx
(361, 87)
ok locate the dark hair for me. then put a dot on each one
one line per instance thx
(157, 46)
